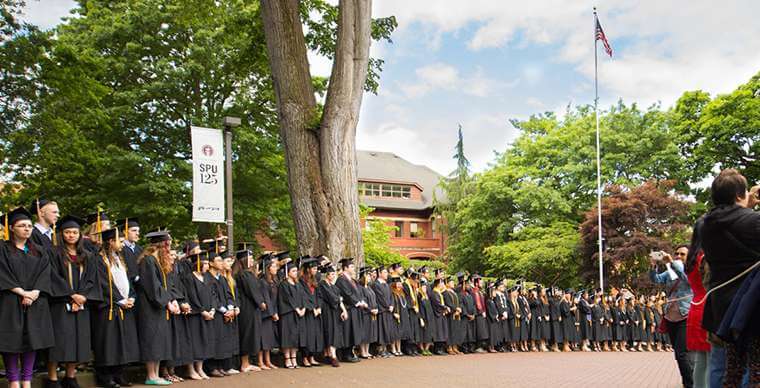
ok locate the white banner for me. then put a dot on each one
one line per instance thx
(208, 175)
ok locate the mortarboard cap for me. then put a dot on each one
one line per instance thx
(69, 222)
(243, 253)
(108, 234)
(327, 268)
(395, 266)
(131, 222)
(158, 236)
(423, 269)
(309, 262)
(93, 218)
(38, 204)
(18, 214)
(395, 279)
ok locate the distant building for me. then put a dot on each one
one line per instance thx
(402, 195)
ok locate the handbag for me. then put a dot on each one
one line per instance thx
(662, 326)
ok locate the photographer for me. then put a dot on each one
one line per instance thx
(730, 242)
(677, 308)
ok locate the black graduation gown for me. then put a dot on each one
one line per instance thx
(618, 326)
(114, 329)
(545, 323)
(455, 323)
(642, 322)
(526, 317)
(226, 344)
(289, 298)
(230, 329)
(584, 317)
(633, 324)
(515, 319)
(536, 319)
(597, 323)
(607, 323)
(352, 327)
(412, 302)
(152, 316)
(482, 331)
(71, 329)
(201, 332)
(385, 327)
(468, 316)
(269, 331)
(250, 299)
(182, 349)
(494, 324)
(555, 321)
(41, 240)
(23, 329)
(369, 321)
(502, 306)
(311, 336)
(401, 308)
(441, 333)
(428, 316)
(568, 322)
(130, 258)
(329, 299)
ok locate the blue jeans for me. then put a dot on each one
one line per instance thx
(717, 366)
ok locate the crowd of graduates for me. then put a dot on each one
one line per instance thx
(77, 291)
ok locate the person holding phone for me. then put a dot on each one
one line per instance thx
(670, 272)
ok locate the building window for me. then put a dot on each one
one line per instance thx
(384, 190)
(399, 228)
(415, 231)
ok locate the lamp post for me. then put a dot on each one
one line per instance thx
(229, 123)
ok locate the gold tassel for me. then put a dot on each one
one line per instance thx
(110, 290)
(163, 276)
(5, 228)
(126, 227)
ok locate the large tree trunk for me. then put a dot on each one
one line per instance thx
(321, 159)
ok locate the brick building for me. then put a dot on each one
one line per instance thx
(402, 195)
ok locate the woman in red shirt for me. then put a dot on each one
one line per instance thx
(696, 336)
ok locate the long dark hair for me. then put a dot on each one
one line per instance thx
(29, 243)
(696, 245)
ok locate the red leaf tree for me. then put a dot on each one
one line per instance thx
(635, 221)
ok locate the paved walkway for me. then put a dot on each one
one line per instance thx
(617, 370)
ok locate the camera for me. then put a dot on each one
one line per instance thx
(657, 256)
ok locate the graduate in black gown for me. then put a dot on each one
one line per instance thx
(231, 312)
(567, 312)
(74, 282)
(526, 317)
(410, 291)
(440, 313)
(155, 305)
(555, 319)
(310, 329)
(26, 325)
(269, 317)
(400, 314)
(584, 319)
(225, 332)
(455, 322)
(45, 229)
(98, 222)
(181, 347)
(115, 342)
(200, 318)
(352, 299)
(514, 319)
(481, 324)
(370, 314)
(468, 314)
(385, 332)
(597, 323)
(427, 315)
(292, 311)
(333, 311)
(494, 319)
(131, 250)
(252, 304)
(536, 319)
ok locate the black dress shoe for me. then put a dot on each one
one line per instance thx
(109, 384)
(120, 381)
(51, 384)
(352, 359)
(69, 382)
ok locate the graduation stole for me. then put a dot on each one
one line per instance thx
(163, 278)
(440, 294)
(110, 291)
(516, 307)
(413, 295)
(456, 303)
(231, 283)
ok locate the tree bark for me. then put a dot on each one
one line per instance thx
(321, 161)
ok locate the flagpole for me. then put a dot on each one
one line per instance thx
(598, 156)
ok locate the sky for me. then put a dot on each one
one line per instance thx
(479, 63)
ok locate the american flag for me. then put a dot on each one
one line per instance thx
(600, 36)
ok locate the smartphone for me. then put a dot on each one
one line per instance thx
(656, 256)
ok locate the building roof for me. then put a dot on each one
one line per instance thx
(389, 167)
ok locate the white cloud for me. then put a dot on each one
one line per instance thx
(47, 13)
(441, 76)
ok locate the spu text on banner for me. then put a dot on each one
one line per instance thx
(208, 175)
